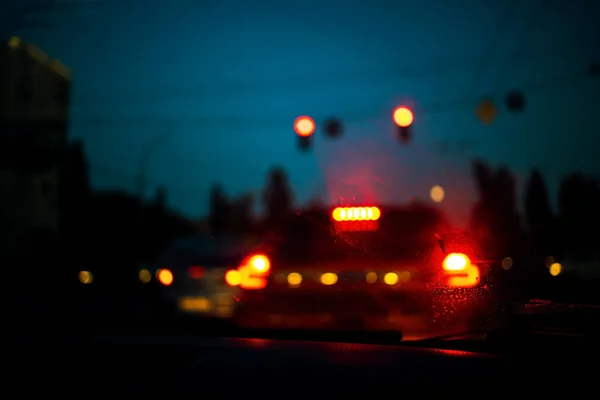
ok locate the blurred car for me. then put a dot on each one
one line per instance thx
(327, 271)
(191, 273)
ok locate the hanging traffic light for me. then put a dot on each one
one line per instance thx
(486, 111)
(304, 127)
(515, 102)
(403, 118)
(333, 128)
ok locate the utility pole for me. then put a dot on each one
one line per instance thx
(146, 156)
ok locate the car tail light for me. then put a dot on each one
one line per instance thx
(260, 264)
(252, 274)
(329, 278)
(460, 271)
(233, 277)
(356, 214)
(356, 219)
(250, 280)
(196, 272)
(164, 276)
(456, 262)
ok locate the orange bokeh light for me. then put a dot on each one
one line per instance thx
(260, 264)
(250, 279)
(233, 277)
(304, 126)
(403, 116)
(165, 277)
(466, 278)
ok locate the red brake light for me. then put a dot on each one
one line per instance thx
(356, 218)
(260, 264)
(340, 214)
(461, 273)
(233, 277)
(456, 262)
(196, 272)
(250, 280)
(252, 274)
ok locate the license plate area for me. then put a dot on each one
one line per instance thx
(335, 303)
(195, 304)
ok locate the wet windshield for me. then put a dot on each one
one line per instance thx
(408, 166)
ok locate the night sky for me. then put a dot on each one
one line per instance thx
(222, 81)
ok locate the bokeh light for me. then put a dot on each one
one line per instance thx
(555, 269)
(164, 276)
(145, 276)
(437, 193)
(304, 126)
(403, 117)
(86, 277)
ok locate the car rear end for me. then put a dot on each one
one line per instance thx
(331, 295)
(193, 282)
(379, 296)
(334, 280)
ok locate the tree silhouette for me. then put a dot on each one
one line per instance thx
(241, 214)
(74, 191)
(540, 219)
(277, 196)
(219, 214)
(494, 218)
(579, 216)
(161, 197)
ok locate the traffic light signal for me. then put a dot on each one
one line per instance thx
(333, 128)
(515, 101)
(304, 127)
(403, 118)
(486, 111)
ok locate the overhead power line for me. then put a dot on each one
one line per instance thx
(492, 44)
(503, 22)
(535, 17)
(88, 95)
(447, 105)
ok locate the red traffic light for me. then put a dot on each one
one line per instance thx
(304, 126)
(515, 101)
(403, 116)
(333, 128)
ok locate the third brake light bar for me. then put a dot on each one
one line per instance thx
(356, 218)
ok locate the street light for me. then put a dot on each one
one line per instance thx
(144, 162)
(403, 118)
(304, 127)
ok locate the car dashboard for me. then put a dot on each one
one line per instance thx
(185, 365)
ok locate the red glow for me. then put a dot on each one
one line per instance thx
(250, 280)
(356, 214)
(196, 272)
(461, 273)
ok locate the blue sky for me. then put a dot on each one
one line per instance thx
(222, 81)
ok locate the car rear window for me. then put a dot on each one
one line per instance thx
(401, 236)
(203, 251)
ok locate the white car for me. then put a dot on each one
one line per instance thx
(192, 272)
